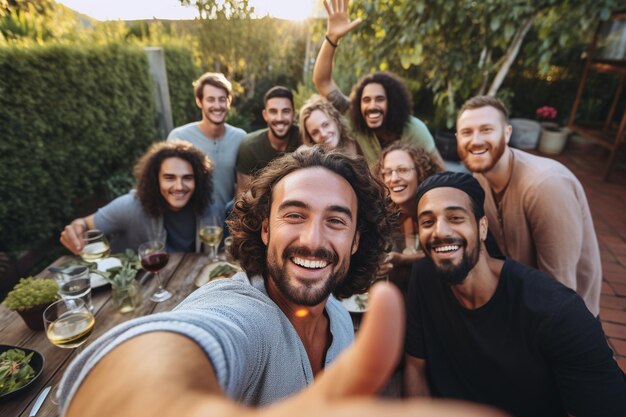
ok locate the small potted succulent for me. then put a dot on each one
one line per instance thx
(30, 297)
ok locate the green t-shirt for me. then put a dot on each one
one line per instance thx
(415, 131)
(255, 152)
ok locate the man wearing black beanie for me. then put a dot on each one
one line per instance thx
(495, 331)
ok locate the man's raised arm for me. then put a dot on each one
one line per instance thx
(337, 26)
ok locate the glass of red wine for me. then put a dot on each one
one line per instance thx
(154, 257)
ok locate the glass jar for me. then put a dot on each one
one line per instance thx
(126, 297)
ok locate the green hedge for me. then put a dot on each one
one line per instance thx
(70, 117)
(181, 72)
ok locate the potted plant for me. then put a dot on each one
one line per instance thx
(553, 137)
(124, 289)
(30, 297)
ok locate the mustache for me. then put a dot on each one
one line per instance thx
(445, 241)
(319, 253)
(372, 111)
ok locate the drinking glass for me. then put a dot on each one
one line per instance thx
(210, 233)
(95, 246)
(68, 323)
(154, 257)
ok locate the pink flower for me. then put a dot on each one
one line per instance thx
(546, 113)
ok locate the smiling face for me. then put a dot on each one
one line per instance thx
(449, 232)
(278, 114)
(482, 135)
(215, 104)
(310, 235)
(374, 105)
(176, 182)
(322, 129)
(400, 177)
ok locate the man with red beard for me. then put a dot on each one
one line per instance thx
(313, 224)
(380, 104)
(280, 136)
(537, 209)
(496, 331)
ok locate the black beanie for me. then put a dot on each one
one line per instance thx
(464, 182)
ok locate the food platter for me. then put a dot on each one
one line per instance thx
(216, 270)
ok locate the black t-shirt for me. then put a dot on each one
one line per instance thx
(533, 349)
(181, 229)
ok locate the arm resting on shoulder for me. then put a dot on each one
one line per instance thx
(415, 383)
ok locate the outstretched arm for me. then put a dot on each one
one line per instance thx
(166, 374)
(337, 26)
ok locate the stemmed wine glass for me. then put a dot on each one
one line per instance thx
(210, 233)
(95, 246)
(154, 257)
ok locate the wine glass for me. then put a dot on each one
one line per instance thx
(95, 246)
(210, 233)
(68, 323)
(154, 257)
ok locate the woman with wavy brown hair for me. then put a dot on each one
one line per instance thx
(173, 191)
(402, 167)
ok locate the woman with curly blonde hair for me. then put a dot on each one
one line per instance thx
(320, 123)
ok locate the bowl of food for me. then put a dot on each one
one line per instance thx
(19, 369)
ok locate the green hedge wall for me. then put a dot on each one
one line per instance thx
(70, 117)
(181, 73)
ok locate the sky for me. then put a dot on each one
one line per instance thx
(171, 9)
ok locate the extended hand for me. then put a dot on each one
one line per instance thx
(362, 370)
(338, 23)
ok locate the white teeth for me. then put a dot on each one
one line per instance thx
(448, 248)
(398, 189)
(482, 151)
(309, 264)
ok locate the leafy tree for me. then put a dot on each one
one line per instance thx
(468, 47)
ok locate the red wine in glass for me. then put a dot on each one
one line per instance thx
(154, 257)
(155, 261)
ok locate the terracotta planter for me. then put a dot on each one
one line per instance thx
(553, 142)
(33, 317)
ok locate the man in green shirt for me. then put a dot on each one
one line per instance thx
(380, 105)
(279, 137)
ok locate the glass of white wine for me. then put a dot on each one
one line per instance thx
(95, 246)
(211, 233)
(68, 323)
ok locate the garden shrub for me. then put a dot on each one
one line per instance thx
(70, 117)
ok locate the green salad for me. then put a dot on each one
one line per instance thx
(15, 371)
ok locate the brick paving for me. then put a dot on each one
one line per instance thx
(608, 208)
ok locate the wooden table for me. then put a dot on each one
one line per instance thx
(178, 277)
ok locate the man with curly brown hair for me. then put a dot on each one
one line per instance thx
(173, 189)
(313, 223)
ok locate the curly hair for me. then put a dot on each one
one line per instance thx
(399, 102)
(147, 170)
(423, 161)
(376, 214)
(317, 102)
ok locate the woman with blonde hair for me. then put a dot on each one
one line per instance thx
(320, 123)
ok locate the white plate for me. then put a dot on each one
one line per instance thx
(203, 277)
(104, 264)
(356, 304)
